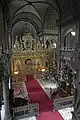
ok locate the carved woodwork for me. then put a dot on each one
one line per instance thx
(27, 58)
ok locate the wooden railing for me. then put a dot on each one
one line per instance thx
(25, 111)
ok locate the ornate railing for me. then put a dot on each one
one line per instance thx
(62, 103)
(25, 111)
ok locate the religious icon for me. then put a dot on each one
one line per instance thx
(28, 62)
(28, 44)
(18, 65)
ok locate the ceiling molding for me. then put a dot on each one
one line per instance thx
(45, 17)
(53, 4)
(21, 13)
(12, 17)
(35, 9)
(28, 20)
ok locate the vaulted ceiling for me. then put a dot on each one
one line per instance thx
(38, 13)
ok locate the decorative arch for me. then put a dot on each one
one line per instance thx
(67, 29)
(48, 44)
(65, 33)
(45, 16)
(28, 16)
(51, 38)
(50, 13)
(53, 4)
(52, 41)
(32, 10)
(26, 19)
(28, 62)
(24, 14)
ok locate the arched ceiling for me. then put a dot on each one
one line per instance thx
(30, 17)
(33, 11)
(36, 11)
(20, 28)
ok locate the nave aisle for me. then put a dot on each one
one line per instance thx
(65, 113)
(38, 95)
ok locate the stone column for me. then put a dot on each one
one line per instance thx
(10, 39)
(0, 96)
(58, 51)
(9, 59)
(6, 98)
(76, 112)
(10, 72)
(76, 66)
(5, 77)
(76, 105)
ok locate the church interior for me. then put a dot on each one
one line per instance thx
(39, 60)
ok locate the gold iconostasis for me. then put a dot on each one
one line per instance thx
(29, 57)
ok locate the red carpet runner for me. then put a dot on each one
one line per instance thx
(37, 95)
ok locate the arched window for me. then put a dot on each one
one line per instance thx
(69, 39)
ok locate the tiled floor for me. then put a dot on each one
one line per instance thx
(66, 113)
(29, 118)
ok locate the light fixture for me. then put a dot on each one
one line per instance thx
(14, 46)
(54, 45)
(75, 72)
(9, 83)
(43, 69)
(73, 33)
(42, 45)
(16, 72)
